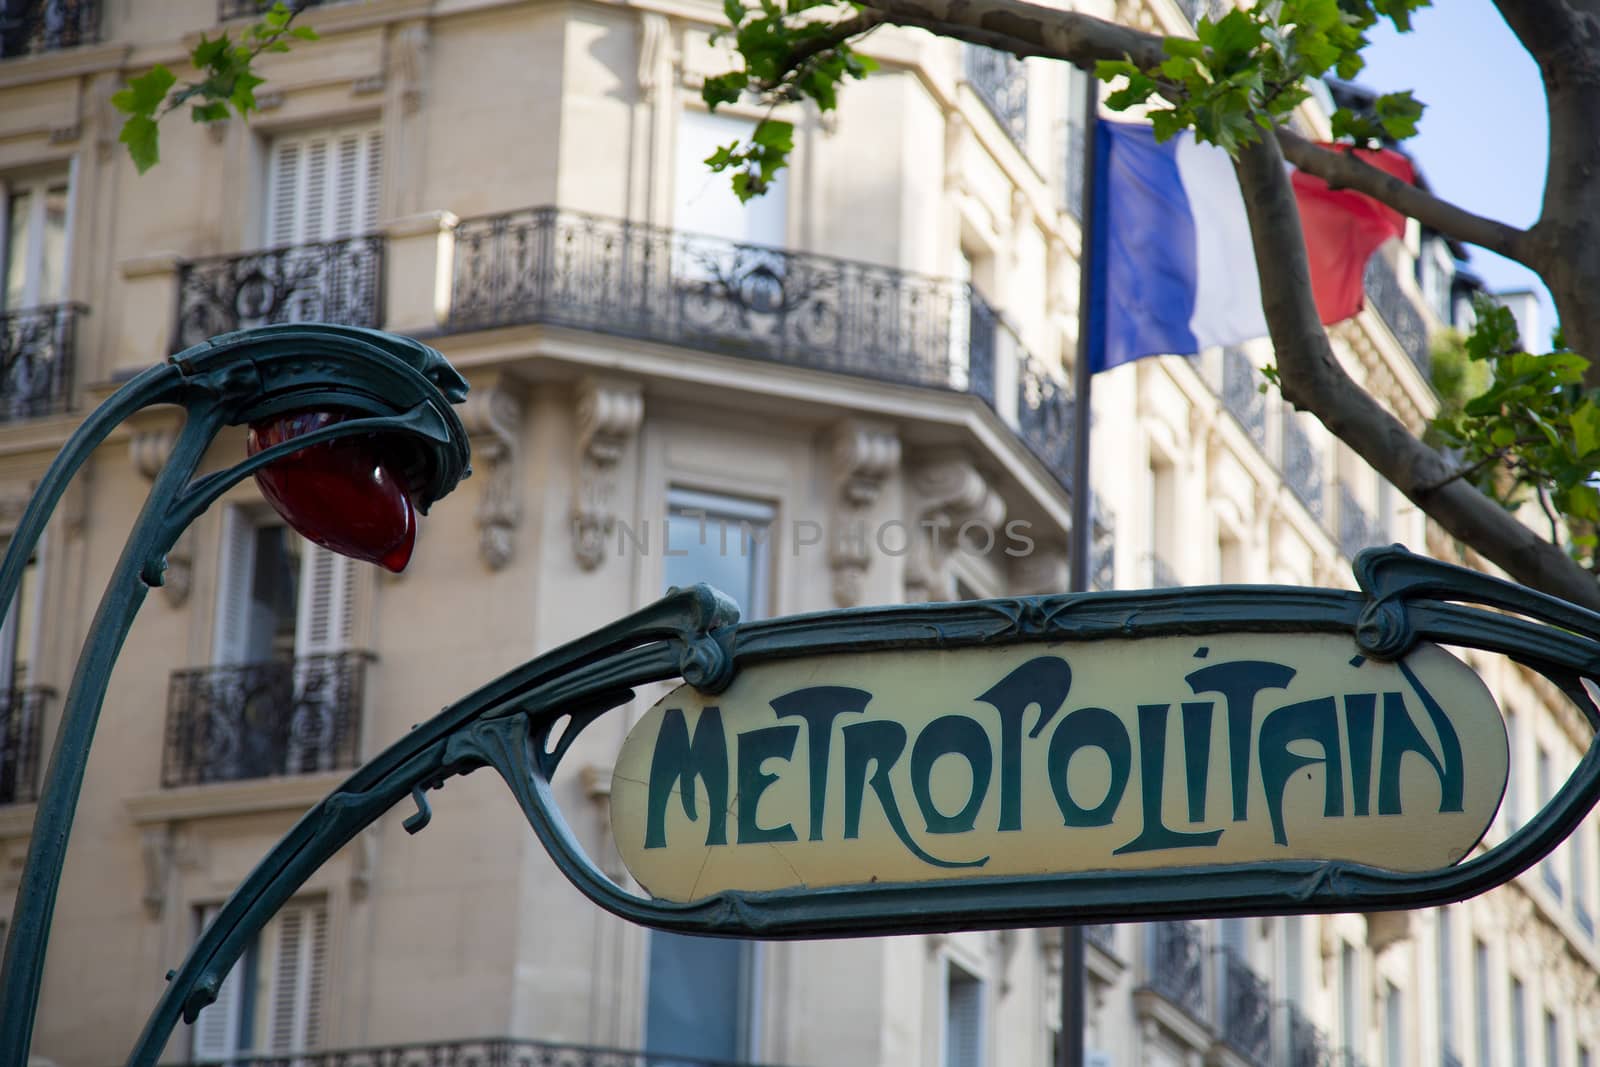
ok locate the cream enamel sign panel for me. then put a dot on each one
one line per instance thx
(912, 766)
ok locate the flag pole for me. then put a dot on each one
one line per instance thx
(1074, 982)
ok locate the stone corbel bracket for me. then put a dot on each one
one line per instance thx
(148, 449)
(953, 495)
(1039, 571)
(863, 457)
(493, 417)
(609, 414)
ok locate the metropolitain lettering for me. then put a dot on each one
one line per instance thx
(1024, 723)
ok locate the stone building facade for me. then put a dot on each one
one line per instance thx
(872, 357)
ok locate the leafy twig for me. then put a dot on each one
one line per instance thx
(228, 85)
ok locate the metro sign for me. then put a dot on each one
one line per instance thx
(1035, 759)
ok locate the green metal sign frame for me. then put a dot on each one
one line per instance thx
(524, 723)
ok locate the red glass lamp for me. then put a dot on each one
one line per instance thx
(349, 495)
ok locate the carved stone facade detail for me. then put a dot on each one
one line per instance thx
(863, 457)
(609, 413)
(495, 415)
(408, 55)
(950, 494)
(149, 450)
(655, 54)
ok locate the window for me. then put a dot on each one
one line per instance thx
(1552, 1040)
(33, 235)
(20, 709)
(724, 541)
(1513, 805)
(1578, 849)
(1519, 1025)
(963, 1017)
(1164, 526)
(702, 998)
(1542, 772)
(703, 993)
(706, 203)
(1480, 988)
(324, 185)
(1393, 1027)
(19, 630)
(1447, 981)
(278, 595)
(1349, 997)
(272, 1000)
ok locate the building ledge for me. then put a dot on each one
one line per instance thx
(16, 820)
(251, 797)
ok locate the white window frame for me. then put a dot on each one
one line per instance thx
(981, 982)
(39, 182)
(724, 514)
(367, 185)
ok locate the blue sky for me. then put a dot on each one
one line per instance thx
(1484, 139)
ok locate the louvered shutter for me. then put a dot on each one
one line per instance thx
(235, 574)
(324, 186)
(326, 624)
(963, 1020)
(217, 1029)
(299, 979)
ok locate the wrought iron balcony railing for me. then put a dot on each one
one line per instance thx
(1398, 312)
(1001, 81)
(487, 1052)
(330, 281)
(30, 27)
(21, 717)
(1177, 965)
(260, 720)
(1242, 396)
(1306, 1044)
(612, 276)
(239, 9)
(1357, 528)
(1246, 1010)
(1103, 936)
(38, 347)
(1302, 467)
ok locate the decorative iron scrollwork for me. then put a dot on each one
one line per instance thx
(331, 281)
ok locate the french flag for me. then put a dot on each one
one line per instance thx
(1174, 271)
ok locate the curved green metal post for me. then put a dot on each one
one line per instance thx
(393, 385)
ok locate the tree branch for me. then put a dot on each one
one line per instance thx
(1344, 170)
(1026, 29)
(1313, 380)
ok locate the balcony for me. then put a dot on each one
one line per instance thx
(1177, 966)
(610, 276)
(1357, 528)
(260, 720)
(1304, 1041)
(331, 281)
(1241, 394)
(1398, 312)
(33, 27)
(488, 1052)
(241, 9)
(1245, 1011)
(37, 350)
(1302, 467)
(1001, 81)
(21, 715)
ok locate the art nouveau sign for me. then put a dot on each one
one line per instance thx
(909, 766)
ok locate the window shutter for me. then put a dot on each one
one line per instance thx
(327, 603)
(235, 571)
(299, 978)
(963, 1020)
(323, 186)
(283, 194)
(217, 1028)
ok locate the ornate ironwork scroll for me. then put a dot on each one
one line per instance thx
(332, 281)
(38, 348)
(257, 720)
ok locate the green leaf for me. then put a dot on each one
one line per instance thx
(139, 134)
(1183, 46)
(207, 51)
(304, 33)
(734, 10)
(775, 135)
(145, 93)
(212, 112)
